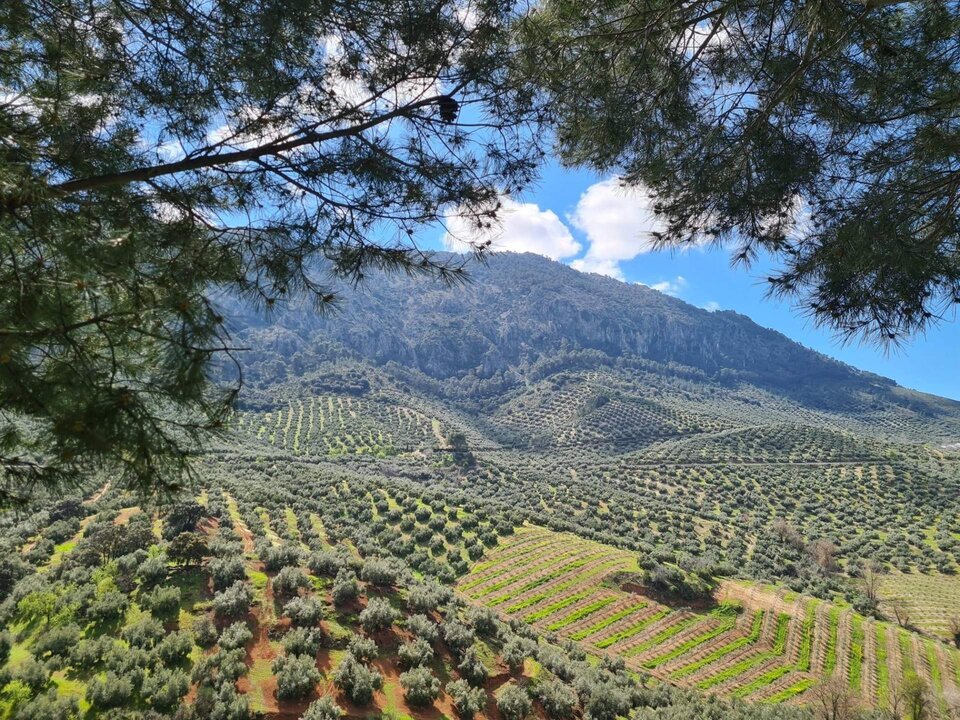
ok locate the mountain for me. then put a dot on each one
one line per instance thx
(521, 318)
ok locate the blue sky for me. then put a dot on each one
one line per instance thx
(587, 221)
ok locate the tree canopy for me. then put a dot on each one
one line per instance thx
(823, 133)
(155, 154)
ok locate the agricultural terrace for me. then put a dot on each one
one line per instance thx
(754, 642)
(929, 600)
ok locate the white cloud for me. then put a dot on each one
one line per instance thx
(712, 306)
(522, 227)
(669, 287)
(617, 221)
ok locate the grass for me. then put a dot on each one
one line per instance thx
(779, 646)
(581, 613)
(724, 650)
(771, 676)
(727, 624)
(883, 672)
(855, 669)
(664, 635)
(806, 637)
(634, 629)
(791, 692)
(606, 622)
(554, 607)
(830, 661)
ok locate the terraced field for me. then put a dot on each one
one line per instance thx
(333, 426)
(753, 642)
(931, 600)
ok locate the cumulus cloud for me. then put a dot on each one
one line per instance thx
(617, 221)
(712, 306)
(523, 227)
(669, 287)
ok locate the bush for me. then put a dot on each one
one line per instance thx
(379, 572)
(420, 687)
(513, 702)
(233, 602)
(289, 581)
(363, 649)
(303, 641)
(304, 611)
(323, 709)
(345, 587)
(558, 700)
(109, 691)
(356, 681)
(163, 688)
(235, 636)
(204, 631)
(423, 627)
(326, 563)
(378, 615)
(472, 669)
(467, 700)
(175, 647)
(296, 676)
(415, 653)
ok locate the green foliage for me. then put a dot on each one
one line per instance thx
(110, 124)
(296, 675)
(420, 687)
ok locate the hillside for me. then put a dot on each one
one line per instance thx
(563, 497)
(523, 318)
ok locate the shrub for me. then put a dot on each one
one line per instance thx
(235, 636)
(296, 675)
(420, 687)
(415, 653)
(304, 610)
(467, 700)
(423, 627)
(226, 571)
(363, 649)
(6, 643)
(109, 691)
(303, 641)
(356, 681)
(232, 602)
(289, 581)
(484, 621)
(378, 615)
(514, 653)
(323, 709)
(513, 702)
